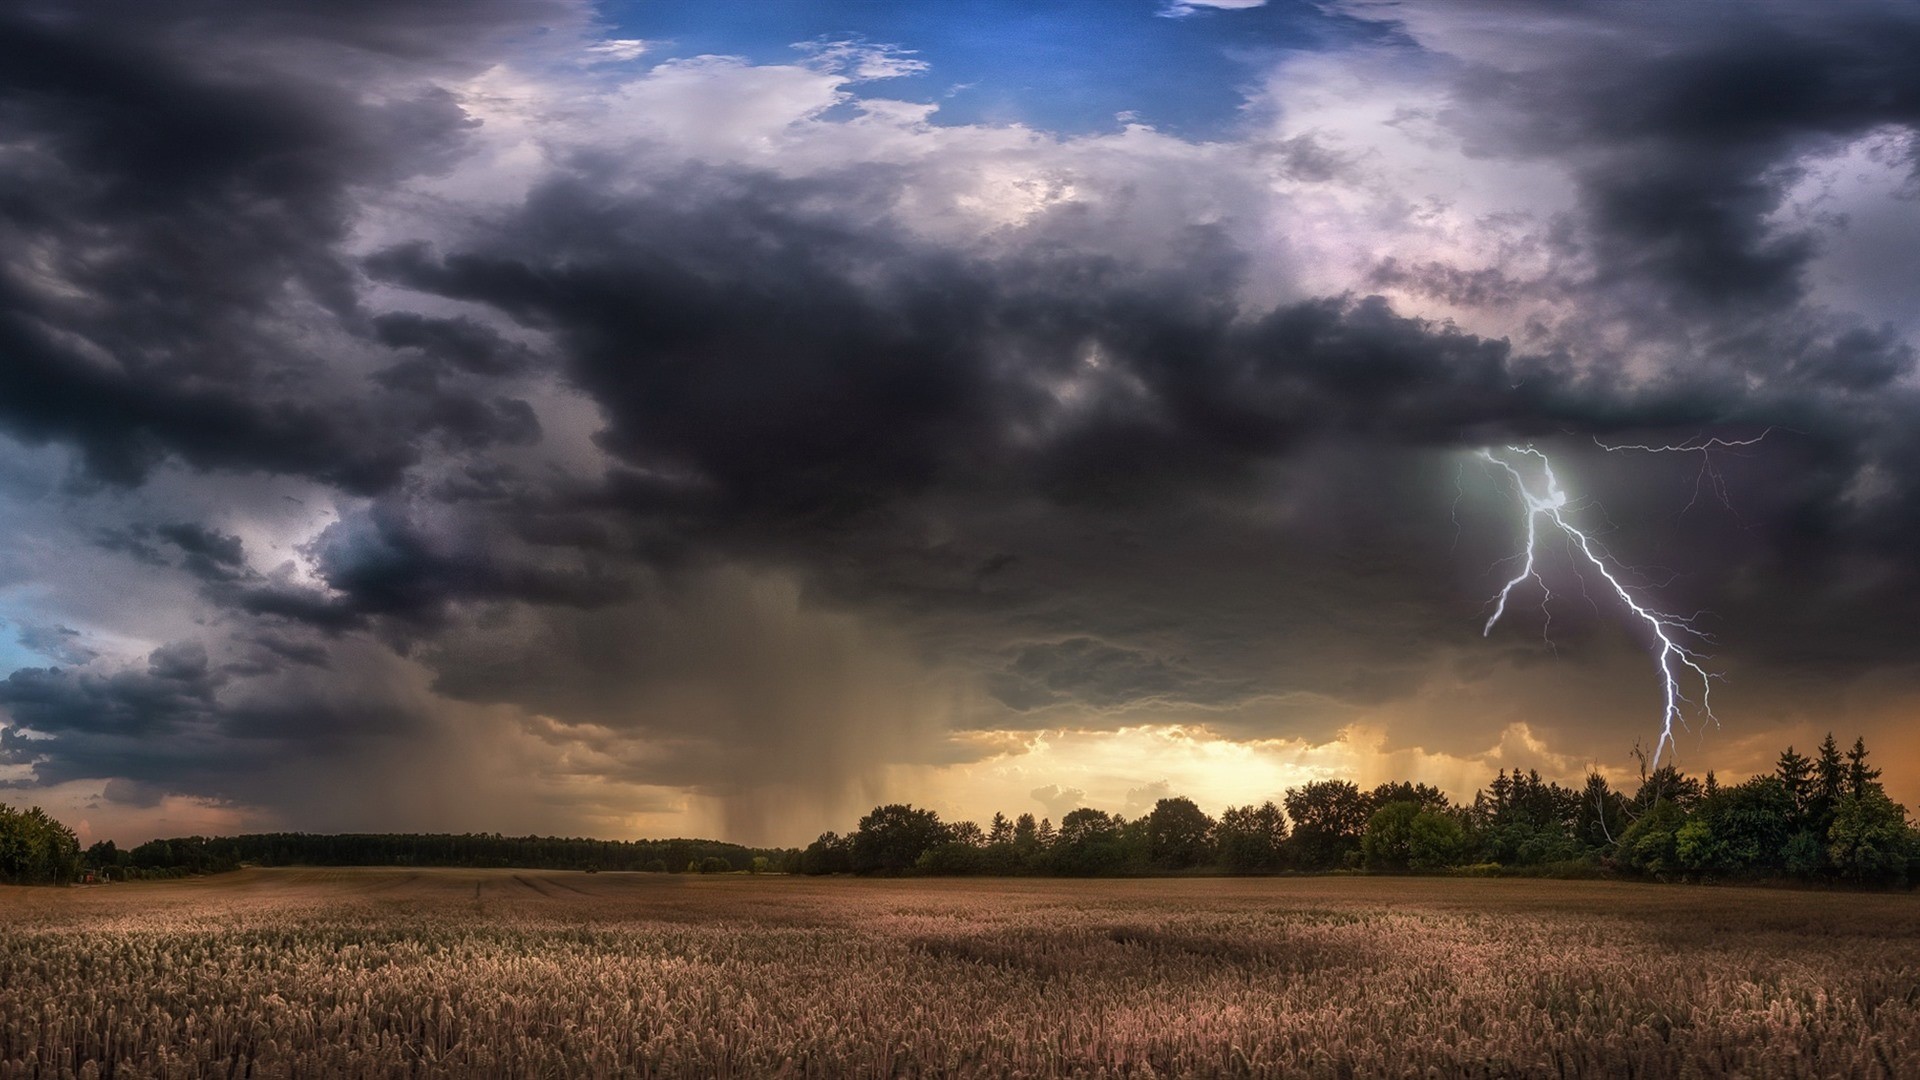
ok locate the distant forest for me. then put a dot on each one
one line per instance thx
(1825, 817)
(202, 855)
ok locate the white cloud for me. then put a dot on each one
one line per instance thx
(616, 50)
(861, 61)
(1180, 9)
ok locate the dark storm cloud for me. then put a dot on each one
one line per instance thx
(382, 564)
(1083, 671)
(132, 793)
(178, 181)
(461, 344)
(210, 553)
(177, 687)
(763, 365)
(134, 541)
(272, 651)
(185, 724)
(762, 361)
(62, 643)
(1683, 122)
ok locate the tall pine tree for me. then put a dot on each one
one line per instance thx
(1795, 771)
(1860, 779)
(1829, 782)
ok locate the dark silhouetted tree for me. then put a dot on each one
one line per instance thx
(1860, 778)
(830, 854)
(1026, 835)
(1424, 796)
(1795, 773)
(1329, 818)
(894, 836)
(1044, 835)
(1829, 783)
(1602, 816)
(1179, 835)
(1001, 830)
(1252, 839)
(1668, 784)
(1089, 843)
(955, 856)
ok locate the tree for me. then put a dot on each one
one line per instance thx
(1000, 831)
(830, 854)
(1869, 840)
(1741, 830)
(1522, 820)
(894, 836)
(1179, 834)
(153, 854)
(35, 849)
(1424, 796)
(1803, 856)
(1651, 843)
(1003, 853)
(1435, 839)
(967, 834)
(1829, 783)
(1084, 826)
(1026, 834)
(1795, 773)
(1329, 818)
(1251, 839)
(1089, 843)
(1860, 778)
(952, 857)
(1389, 834)
(1602, 815)
(1668, 784)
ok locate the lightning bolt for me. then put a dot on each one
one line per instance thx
(1709, 475)
(1546, 507)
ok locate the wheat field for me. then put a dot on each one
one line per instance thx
(382, 972)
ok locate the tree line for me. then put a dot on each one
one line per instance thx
(1812, 818)
(1820, 817)
(183, 855)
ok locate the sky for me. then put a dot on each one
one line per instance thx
(716, 419)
